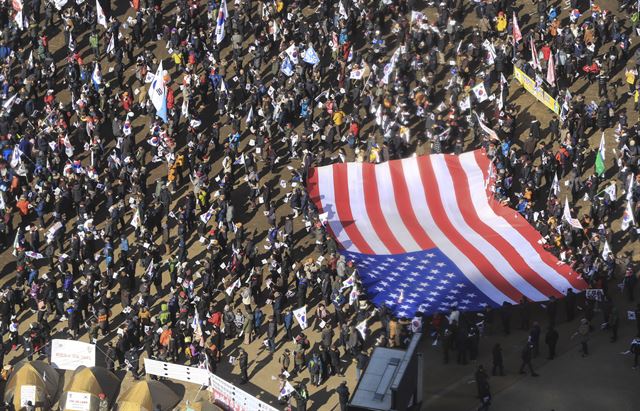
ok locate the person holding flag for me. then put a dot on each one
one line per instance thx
(220, 22)
(101, 18)
(600, 157)
(158, 94)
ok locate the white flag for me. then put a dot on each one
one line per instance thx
(158, 95)
(16, 158)
(606, 250)
(34, 255)
(236, 284)
(630, 189)
(149, 271)
(101, 18)
(349, 282)
(60, 3)
(286, 390)
(555, 185)
(68, 147)
(30, 60)
(239, 160)
(250, 115)
(135, 220)
(72, 43)
(417, 16)
(465, 104)
(390, 66)
(611, 191)
(185, 106)
(9, 103)
(574, 222)
(342, 11)
(480, 92)
(97, 76)
(112, 46)
(207, 216)
(362, 329)
(301, 316)
(627, 217)
(492, 134)
(19, 19)
(222, 18)
(16, 242)
(292, 52)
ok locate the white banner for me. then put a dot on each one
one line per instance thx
(27, 393)
(70, 354)
(224, 392)
(194, 375)
(301, 315)
(234, 398)
(78, 401)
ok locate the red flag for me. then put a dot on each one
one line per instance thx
(136, 4)
(551, 71)
(517, 35)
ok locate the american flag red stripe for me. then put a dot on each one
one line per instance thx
(367, 174)
(440, 201)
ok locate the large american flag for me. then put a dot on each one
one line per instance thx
(426, 235)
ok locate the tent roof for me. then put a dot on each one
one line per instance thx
(38, 373)
(94, 380)
(145, 395)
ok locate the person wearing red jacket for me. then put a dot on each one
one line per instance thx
(170, 99)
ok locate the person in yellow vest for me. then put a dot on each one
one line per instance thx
(338, 121)
(630, 77)
(501, 23)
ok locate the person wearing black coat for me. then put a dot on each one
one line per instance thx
(497, 360)
(272, 331)
(526, 356)
(343, 395)
(551, 339)
(334, 357)
(243, 360)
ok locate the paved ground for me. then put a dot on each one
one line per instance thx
(601, 382)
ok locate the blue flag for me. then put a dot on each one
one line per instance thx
(287, 67)
(310, 56)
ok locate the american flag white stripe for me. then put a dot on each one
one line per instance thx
(390, 209)
(497, 260)
(504, 229)
(359, 212)
(326, 195)
(419, 204)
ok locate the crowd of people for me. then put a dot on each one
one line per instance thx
(195, 222)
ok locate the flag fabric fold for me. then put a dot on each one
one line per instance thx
(517, 34)
(535, 63)
(222, 18)
(600, 157)
(101, 18)
(551, 71)
(425, 235)
(158, 94)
